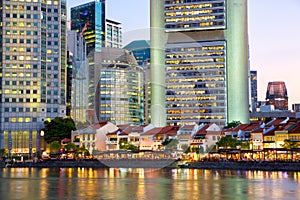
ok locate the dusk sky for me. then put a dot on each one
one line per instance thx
(273, 37)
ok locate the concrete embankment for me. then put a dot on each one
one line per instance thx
(107, 163)
(263, 166)
(144, 163)
(55, 164)
(140, 163)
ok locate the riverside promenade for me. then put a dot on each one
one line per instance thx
(246, 165)
(158, 163)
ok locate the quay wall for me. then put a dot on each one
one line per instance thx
(263, 166)
(55, 164)
(143, 163)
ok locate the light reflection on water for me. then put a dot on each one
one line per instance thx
(144, 184)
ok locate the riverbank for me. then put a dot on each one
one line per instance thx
(246, 165)
(143, 163)
(55, 164)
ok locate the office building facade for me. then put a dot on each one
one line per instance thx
(113, 34)
(119, 96)
(33, 71)
(89, 20)
(253, 89)
(141, 52)
(205, 61)
(79, 79)
(277, 95)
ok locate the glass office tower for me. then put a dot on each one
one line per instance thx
(120, 87)
(33, 70)
(277, 95)
(205, 60)
(89, 20)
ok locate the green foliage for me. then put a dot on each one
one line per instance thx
(58, 129)
(82, 150)
(170, 143)
(3, 152)
(70, 146)
(124, 145)
(55, 146)
(228, 142)
(245, 145)
(288, 144)
(80, 125)
(232, 124)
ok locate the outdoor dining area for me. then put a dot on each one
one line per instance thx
(267, 154)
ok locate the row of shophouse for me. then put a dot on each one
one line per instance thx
(106, 136)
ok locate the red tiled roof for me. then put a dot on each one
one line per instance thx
(295, 129)
(260, 130)
(113, 133)
(153, 131)
(275, 122)
(202, 130)
(270, 133)
(187, 127)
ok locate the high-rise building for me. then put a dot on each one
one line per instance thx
(113, 34)
(253, 80)
(199, 60)
(119, 96)
(79, 79)
(141, 52)
(89, 20)
(33, 70)
(277, 95)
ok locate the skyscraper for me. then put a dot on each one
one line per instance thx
(33, 70)
(253, 79)
(205, 61)
(80, 81)
(277, 95)
(113, 34)
(141, 52)
(89, 20)
(119, 95)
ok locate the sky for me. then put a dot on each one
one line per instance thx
(274, 40)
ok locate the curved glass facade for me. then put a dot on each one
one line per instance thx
(196, 82)
(120, 89)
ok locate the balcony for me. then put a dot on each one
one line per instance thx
(111, 142)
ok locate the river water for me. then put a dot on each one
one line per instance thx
(146, 184)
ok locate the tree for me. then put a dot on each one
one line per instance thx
(170, 143)
(124, 145)
(83, 151)
(228, 142)
(3, 152)
(55, 146)
(232, 124)
(70, 147)
(58, 129)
